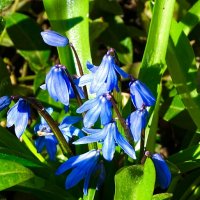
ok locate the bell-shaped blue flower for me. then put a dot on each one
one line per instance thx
(4, 102)
(163, 174)
(83, 166)
(58, 85)
(103, 78)
(96, 107)
(141, 96)
(109, 135)
(137, 122)
(19, 115)
(46, 137)
(55, 39)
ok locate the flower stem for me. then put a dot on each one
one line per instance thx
(121, 119)
(142, 144)
(79, 67)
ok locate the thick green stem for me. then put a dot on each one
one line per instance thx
(153, 62)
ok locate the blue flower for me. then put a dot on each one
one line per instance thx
(58, 85)
(4, 102)
(136, 122)
(83, 166)
(96, 107)
(19, 115)
(110, 135)
(163, 174)
(141, 95)
(53, 38)
(103, 78)
(46, 137)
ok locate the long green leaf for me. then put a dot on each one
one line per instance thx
(12, 173)
(182, 68)
(70, 17)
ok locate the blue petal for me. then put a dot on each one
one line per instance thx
(100, 75)
(128, 149)
(106, 112)
(84, 80)
(4, 102)
(88, 105)
(12, 115)
(111, 80)
(53, 38)
(51, 144)
(69, 120)
(43, 86)
(163, 174)
(90, 130)
(109, 144)
(39, 143)
(74, 161)
(91, 67)
(121, 72)
(50, 111)
(92, 138)
(91, 116)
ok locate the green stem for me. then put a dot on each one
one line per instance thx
(32, 148)
(26, 78)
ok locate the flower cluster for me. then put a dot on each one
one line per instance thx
(102, 81)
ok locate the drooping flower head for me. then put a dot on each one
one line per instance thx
(99, 106)
(55, 39)
(58, 85)
(163, 174)
(109, 135)
(4, 102)
(137, 122)
(83, 166)
(104, 78)
(47, 138)
(19, 115)
(141, 96)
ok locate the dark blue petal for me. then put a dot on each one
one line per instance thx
(69, 120)
(91, 67)
(39, 143)
(53, 38)
(163, 174)
(51, 144)
(74, 161)
(109, 144)
(121, 72)
(128, 149)
(4, 102)
(111, 80)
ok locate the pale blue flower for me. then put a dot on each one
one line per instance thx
(4, 102)
(141, 96)
(18, 116)
(109, 135)
(96, 107)
(163, 174)
(55, 39)
(137, 122)
(104, 78)
(83, 166)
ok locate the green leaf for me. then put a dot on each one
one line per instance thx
(174, 109)
(5, 84)
(5, 3)
(162, 196)
(25, 34)
(181, 65)
(72, 21)
(43, 189)
(135, 182)
(12, 173)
